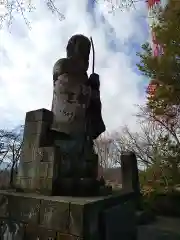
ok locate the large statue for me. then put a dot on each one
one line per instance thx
(76, 99)
(77, 110)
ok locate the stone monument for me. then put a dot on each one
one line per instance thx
(66, 133)
(77, 118)
(58, 195)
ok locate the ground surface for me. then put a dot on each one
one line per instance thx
(163, 229)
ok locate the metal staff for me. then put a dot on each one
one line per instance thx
(93, 51)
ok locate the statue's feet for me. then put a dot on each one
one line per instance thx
(76, 187)
(81, 187)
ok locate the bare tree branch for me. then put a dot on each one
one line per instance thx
(11, 143)
(9, 8)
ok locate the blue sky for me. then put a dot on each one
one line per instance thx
(133, 44)
(27, 58)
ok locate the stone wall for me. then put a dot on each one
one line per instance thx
(33, 216)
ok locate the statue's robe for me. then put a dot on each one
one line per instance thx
(94, 116)
(71, 97)
(76, 100)
(76, 107)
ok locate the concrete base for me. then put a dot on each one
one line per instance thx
(33, 216)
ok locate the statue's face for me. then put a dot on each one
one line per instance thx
(79, 45)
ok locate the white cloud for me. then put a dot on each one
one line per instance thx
(27, 58)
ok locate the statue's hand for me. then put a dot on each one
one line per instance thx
(94, 81)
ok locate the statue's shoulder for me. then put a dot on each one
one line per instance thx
(60, 67)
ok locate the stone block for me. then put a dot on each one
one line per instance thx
(62, 236)
(74, 168)
(24, 209)
(76, 219)
(34, 232)
(50, 154)
(3, 206)
(45, 170)
(90, 218)
(29, 143)
(45, 185)
(55, 215)
(119, 221)
(37, 129)
(11, 230)
(41, 170)
(75, 187)
(85, 213)
(39, 115)
(32, 128)
(32, 152)
(28, 175)
(26, 169)
(40, 139)
(29, 152)
(87, 169)
(24, 183)
(129, 169)
(65, 166)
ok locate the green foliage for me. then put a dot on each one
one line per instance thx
(164, 172)
(156, 181)
(165, 70)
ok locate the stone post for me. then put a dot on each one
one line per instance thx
(36, 135)
(130, 176)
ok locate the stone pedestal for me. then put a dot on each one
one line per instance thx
(45, 168)
(34, 216)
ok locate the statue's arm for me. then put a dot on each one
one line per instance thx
(94, 83)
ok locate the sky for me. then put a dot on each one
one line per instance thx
(27, 58)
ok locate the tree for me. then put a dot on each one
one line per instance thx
(114, 5)
(109, 159)
(10, 149)
(163, 108)
(165, 69)
(156, 144)
(169, 142)
(11, 7)
(107, 151)
(143, 143)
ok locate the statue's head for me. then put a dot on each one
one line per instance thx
(79, 46)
